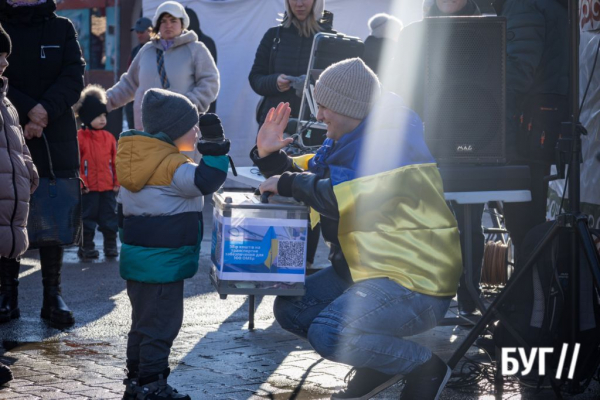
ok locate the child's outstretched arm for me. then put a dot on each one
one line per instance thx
(211, 173)
(192, 180)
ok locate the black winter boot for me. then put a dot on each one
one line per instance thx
(9, 292)
(87, 250)
(54, 309)
(110, 244)
(155, 388)
(131, 383)
(5, 374)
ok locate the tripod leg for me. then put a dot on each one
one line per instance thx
(489, 314)
(498, 378)
(574, 301)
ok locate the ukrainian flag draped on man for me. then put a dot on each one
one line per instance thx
(393, 218)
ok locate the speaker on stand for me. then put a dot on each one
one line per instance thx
(452, 73)
(464, 102)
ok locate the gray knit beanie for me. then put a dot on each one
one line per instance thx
(168, 112)
(385, 26)
(349, 88)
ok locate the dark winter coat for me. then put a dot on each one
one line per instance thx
(46, 67)
(290, 58)
(537, 63)
(373, 51)
(18, 179)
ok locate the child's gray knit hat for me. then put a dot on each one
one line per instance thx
(348, 88)
(168, 112)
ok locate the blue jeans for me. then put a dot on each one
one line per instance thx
(363, 324)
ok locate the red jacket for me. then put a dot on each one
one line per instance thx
(97, 149)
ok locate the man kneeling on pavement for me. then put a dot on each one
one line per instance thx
(395, 250)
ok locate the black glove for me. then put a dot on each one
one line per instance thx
(212, 142)
(207, 148)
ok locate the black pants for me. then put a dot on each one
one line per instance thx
(156, 318)
(99, 209)
(520, 218)
(465, 301)
(129, 115)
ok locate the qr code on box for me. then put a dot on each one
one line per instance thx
(291, 254)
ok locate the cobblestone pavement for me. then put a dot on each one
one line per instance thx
(214, 356)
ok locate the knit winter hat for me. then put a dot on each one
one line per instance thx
(168, 112)
(317, 11)
(349, 88)
(5, 44)
(385, 26)
(92, 104)
(173, 8)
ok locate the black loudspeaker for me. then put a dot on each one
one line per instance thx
(464, 102)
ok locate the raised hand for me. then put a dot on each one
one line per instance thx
(270, 136)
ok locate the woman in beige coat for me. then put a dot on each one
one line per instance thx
(18, 179)
(173, 60)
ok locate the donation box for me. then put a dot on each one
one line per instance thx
(258, 248)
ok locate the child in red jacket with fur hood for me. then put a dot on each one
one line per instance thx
(97, 149)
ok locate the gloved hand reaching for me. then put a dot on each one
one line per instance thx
(297, 83)
(213, 141)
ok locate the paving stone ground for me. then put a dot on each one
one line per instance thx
(214, 356)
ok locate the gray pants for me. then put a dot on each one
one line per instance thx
(156, 318)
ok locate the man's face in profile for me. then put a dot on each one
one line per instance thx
(450, 6)
(144, 36)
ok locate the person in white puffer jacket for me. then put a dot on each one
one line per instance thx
(173, 60)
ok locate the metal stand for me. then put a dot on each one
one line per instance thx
(251, 312)
(574, 221)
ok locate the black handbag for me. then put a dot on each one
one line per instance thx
(55, 210)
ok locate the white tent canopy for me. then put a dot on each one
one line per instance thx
(237, 26)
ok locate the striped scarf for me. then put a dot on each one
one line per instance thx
(160, 63)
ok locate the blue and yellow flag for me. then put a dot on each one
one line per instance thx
(394, 221)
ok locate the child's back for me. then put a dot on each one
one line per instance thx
(162, 221)
(161, 198)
